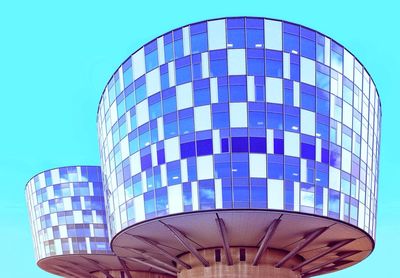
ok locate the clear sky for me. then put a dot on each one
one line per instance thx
(56, 57)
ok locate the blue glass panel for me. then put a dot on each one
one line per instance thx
(241, 193)
(237, 89)
(292, 172)
(257, 119)
(258, 193)
(187, 196)
(223, 95)
(186, 125)
(275, 170)
(202, 94)
(334, 203)
(188, 149)
(128, 77)
(199, 43)
(151, 60)
(204, 147)
(218, 63)
(240, 169)
(255, 62)
(307, 48)
(149, 204)
(174, 172)
(161, 156)
(206, 194)
(307, 151)
(161, 201)
(236, 38)
(289, 195)
(274, 120)
(335, 156)
(255, 38)
(291, 43)
(240, 144)
(178, 43)
(258, 145)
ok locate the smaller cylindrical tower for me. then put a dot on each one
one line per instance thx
(67, 216)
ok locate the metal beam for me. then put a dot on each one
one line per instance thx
(332, 261)
(151, 258)
(100, 267)
(334, 247)
(187, 244)
(307, 240)
(267, 237)
(319, 272)
(162, 251)
(225, 241)
(66, 271)
(124, 267)
(151, 265)
(77, 268)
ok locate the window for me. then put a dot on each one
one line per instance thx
(151, 55)
(236, 33)
(218, 63)
(291, 38)
(206, 194)
(273, 64)
(199, 37)
(255, 33)
(255, 62)
(202, 94)
(168, 48)
(183, 71)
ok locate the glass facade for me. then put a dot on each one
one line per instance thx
(67, 213)
(246, 113)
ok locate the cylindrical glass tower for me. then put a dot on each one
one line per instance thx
(242, 119)
(237, 147)
(67, 215)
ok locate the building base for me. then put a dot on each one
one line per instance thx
(242, 267)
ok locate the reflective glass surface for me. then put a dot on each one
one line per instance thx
(67, 212)
(240, 113)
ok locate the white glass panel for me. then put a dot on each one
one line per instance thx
(142, 112)
(307, 71)
(205, 167)
(258, 165)
(184, 96)
(216, 34)
(153, 81)
(175, 201)
(348, 64)
(334, 178)
(202, 118)
(238, 114)
(138, 64)
(292, 144)
(273, 88)
(273, 34)
(307, 122)
(275, 194)
(171, 148)
(236, 62)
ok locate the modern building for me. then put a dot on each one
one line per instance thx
(234, 147)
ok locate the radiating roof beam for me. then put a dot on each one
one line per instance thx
(187, 244)
(124, 267)
(162, 251)
(225, 241)
(319, 272)
(267, 237)
(151, 258)
(149, 264)
(307, 240)
(334, 247)
(99, 266)
(332, 261)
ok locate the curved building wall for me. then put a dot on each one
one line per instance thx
(240, 113)
(66, 210)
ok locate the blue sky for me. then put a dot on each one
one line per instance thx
(55, 59)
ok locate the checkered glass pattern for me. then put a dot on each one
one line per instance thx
(240, 113)
(67, 213)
